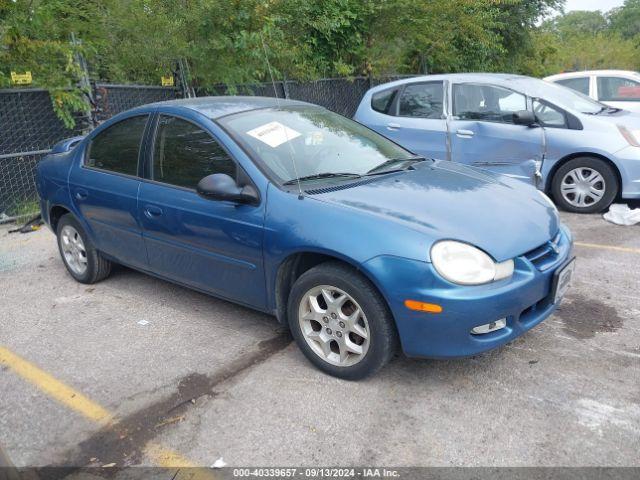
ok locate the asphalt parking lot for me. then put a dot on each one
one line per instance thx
(135, 370)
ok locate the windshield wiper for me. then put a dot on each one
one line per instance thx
(380, 168)
(602, 109)
(316, 176)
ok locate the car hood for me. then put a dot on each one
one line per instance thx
(445, 200)
(626, 118)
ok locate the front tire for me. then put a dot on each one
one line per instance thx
(341, 322)
(585, 185)
(84, 263)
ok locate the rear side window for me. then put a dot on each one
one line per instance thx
(486, 102)
(381, 101)
(117, 148)
(580, 84)
(184, 153)
(617, 89)
(423, 100)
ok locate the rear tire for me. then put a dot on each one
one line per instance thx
(83, 262)
(585, 185)
(341, 322)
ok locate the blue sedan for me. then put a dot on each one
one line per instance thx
(359, 246)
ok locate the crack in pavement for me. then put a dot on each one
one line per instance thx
(124, 441)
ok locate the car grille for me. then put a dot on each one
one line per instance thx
(546, 255)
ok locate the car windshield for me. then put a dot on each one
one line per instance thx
(562, 97)
(313, 143)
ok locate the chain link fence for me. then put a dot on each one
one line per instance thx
(29, 126)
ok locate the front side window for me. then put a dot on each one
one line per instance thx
(183, 154)
(580, 84)
(310, 141)
(486, 102)
(382, 101)
(548, 115)
(617, 89)
(117, 148)
(423, 100)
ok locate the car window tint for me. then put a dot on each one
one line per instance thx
(183, 154)
(486, 102)
(117, 148)
(423, 100)
(618, 89)
(381, 101)
(548, 115)
(580, 84)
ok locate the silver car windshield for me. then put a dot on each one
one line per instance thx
(563, 97)
(313, 143)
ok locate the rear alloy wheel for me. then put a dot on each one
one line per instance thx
(341, 322)
(82, 260)
(585, 185)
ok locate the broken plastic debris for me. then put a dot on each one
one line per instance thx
(219, 463)
(143, 322)
(621, 214)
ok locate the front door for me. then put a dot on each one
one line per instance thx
(104, 188)
(211, 245)
(483, 134)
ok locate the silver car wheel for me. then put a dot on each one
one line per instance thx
(73, 249)
(334, 325)
(582, 187)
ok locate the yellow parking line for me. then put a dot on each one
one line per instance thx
(607, 247)
(54, 388)
(91, 410)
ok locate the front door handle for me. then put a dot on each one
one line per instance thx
(465, 133)
(81, 194)
(393, 127)
(151, 211)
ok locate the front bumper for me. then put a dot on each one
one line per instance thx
(628, 162)
(524, 300)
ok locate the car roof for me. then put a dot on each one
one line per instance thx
(583, 73)
(497, 78)
(216, 107)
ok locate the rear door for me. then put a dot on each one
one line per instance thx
(413, 116)
(211, 245)
(483, 134)
(104, 188)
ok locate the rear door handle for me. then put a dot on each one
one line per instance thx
(81, 194)
(465, 133)
(151, 211)
(393, 126)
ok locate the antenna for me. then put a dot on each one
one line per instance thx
(291, 151)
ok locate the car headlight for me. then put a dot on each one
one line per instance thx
(631, 136)
(547, 199)
(464, 264)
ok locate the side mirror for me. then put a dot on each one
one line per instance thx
(221, 186)
(524, 117)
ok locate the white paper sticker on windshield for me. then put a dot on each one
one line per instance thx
(274, 134)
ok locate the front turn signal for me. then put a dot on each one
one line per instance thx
(422, 306)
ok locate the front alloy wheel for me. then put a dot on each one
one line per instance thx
(341, 322)
(334, 325)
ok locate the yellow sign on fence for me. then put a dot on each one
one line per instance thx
(167, 81)
(21, 78)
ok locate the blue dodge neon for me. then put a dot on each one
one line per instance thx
(358, 245)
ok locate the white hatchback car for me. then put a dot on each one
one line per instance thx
(616, 88)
